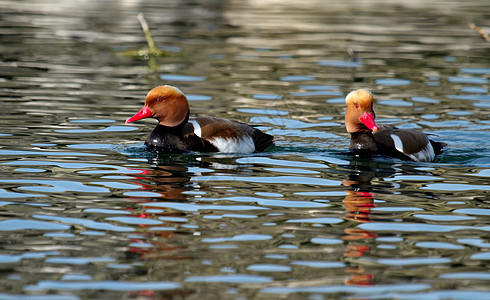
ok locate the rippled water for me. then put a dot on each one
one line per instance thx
(87, 213)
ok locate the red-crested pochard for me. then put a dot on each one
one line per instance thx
(177, 133)
(368, 137)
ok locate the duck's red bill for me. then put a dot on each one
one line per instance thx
(368, 120)
(144, 112)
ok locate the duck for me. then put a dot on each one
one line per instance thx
(177, 133)
(369, 138)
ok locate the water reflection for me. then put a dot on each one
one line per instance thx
(358, 202)
(166, 179)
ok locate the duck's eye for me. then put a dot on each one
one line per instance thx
(159, 100)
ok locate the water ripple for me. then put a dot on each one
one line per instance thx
(197, 207)
(78, 260)
(238, 238)
(271, 179)
(16, 224)
(235, 278)
(415, 227)
(56, 186)
(6, 258)
(87, 223)
(361, 290)
(109, 285)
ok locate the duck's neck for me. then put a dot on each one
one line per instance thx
(362, 141)
(167, 139)
(174, 130)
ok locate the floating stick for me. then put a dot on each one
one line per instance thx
(146, 30)
(482, 33)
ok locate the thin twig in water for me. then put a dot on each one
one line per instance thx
(482, 33)
(352, 54)
(146, 30)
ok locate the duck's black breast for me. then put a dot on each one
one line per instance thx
(164, 139)
(363, 141)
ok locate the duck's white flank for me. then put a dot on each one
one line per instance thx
(227, 145)
(234, 145)
(427, 153)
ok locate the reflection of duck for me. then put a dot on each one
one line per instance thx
(176, 133)
(166, 181)
(367, 137)
(358, 205)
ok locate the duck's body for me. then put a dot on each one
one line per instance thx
(177, 133)
(368, 138)
(208, 134)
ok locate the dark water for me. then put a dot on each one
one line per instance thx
(87, 213)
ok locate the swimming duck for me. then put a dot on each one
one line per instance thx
(177, 133)
(367, 137)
